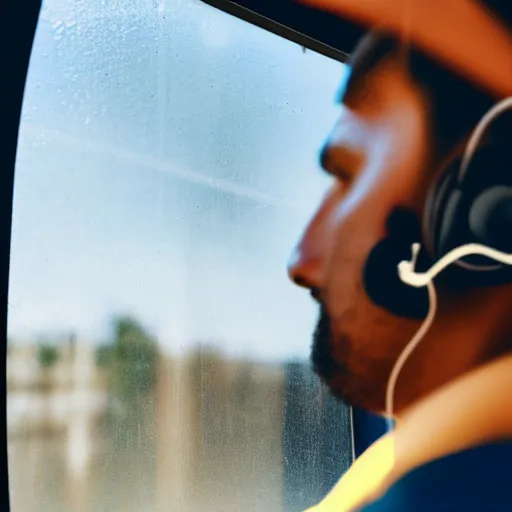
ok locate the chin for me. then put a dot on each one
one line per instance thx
(353, 379)
(371, 400)
(362, 389)
(349, 388)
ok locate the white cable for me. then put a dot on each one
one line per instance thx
(420, 279)
(397, 368)
(409, 276)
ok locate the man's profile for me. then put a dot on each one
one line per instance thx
(404, 118)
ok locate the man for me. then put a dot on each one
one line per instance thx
(406, 111)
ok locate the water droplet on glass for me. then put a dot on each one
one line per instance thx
(58, 29)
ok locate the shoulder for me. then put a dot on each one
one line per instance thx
(473, 479)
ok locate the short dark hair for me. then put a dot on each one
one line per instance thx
(455, 104)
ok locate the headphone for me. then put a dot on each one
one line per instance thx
(468, 222)
(472, 204)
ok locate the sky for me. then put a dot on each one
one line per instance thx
(167, 164)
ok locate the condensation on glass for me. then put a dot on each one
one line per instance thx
(158, 356)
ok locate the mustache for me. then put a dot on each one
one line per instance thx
(315, 295)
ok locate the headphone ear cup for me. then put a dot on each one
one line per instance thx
(490, 218)
(434, 218)
(474, 209)
(447, 232)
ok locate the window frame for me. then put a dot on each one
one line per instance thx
(316, 30)
(18, 27)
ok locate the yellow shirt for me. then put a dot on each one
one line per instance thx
(472, 410)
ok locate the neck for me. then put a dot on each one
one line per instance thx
(474, 409)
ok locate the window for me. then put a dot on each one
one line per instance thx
(167, 163)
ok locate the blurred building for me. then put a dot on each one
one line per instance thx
(215, 433)
(219, 434)
(46, 399)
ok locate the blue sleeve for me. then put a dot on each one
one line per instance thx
(478, 480)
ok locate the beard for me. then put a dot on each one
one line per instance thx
(322, 359)
(342, 354)
(361, 385)
(330, 371)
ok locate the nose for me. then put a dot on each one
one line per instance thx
(308, 259)
(304, 268)
(304, 265)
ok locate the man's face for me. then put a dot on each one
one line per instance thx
(377, 157)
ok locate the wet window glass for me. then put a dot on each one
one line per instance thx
(158, 356)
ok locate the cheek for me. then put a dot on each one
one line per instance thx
(390, 178)
(359, 223)
(359, 220)
(371, 333)
(388, 181)
(355, 232)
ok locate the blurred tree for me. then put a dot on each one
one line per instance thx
(132, 362)
(104, 355)
(47, 355)
(135, 358)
